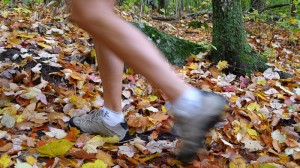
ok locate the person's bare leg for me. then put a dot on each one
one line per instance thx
(195, 111)
(111, 71)
(129, 44)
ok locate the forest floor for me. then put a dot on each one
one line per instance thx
(48, 74)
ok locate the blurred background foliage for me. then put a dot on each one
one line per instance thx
(283, 12)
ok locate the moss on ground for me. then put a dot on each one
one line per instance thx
(175, 49)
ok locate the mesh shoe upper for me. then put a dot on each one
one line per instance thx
(205, 113)
(93, 123)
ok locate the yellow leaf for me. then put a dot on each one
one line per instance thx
(222, 65)
(55, 148)
(143, 160)
(42, 45)
(93, 53)
(5, 161)
(252, 133)
(233, 99)
(9, 110)
(105, 157)
(164, 109)
(236, 126)
(31, 160)
(29, 36)
(253, 106)
(261, 82)
(138, 91)
(129, 71)
(153, 98)
(78, 101)
(193, 66)
(14, 41)
(238, 162)
(98, 141)
(292, 21)
(20, 119)
(4, 13)
(284, 158)
(77, 76)
(260, 95)
(96, 164)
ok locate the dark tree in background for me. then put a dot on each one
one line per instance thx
(229, 37)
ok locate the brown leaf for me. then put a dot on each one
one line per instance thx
(296, 155)
(6, 147)
(291, 143)
(82, 140)
(82, 154)
(105, 157)
(137, 122)
(122, 163)
(72, 135)
(159, 116)
(276, 146)
(290, 132)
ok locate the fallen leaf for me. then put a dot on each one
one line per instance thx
(252, 145)
(31, 160)
(105, 157)
(96, 164)
(57, 133)
(20, 164)
(8, 121)
(238, 162)
(6, 147)
(82, 154)
(5, 161)
(98, 141)
(55, 148)
(127, 150)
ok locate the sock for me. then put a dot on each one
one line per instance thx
(188, 103)
(112, 117)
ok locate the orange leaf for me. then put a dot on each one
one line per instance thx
(72, 135)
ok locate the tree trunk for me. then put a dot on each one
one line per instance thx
(257, 4)
(229, 37)
(293, 8)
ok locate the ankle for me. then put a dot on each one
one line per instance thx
(114, 108)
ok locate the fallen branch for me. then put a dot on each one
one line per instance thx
(274, 6)
(163, 18)
(199, 13)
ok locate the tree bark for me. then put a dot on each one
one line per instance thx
(229, 37)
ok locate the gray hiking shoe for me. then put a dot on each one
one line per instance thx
(206, 112)
(93, 123)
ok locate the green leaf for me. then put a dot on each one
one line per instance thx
(267, 166)
(56, 148)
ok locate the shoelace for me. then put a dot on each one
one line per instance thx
(95, 114)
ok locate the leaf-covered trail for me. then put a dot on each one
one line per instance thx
(48, 74)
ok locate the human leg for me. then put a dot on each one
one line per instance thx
(195, 111)
(129, 44)
(111, 71)
(108, 120)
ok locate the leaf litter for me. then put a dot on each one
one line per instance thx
(47, 75)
